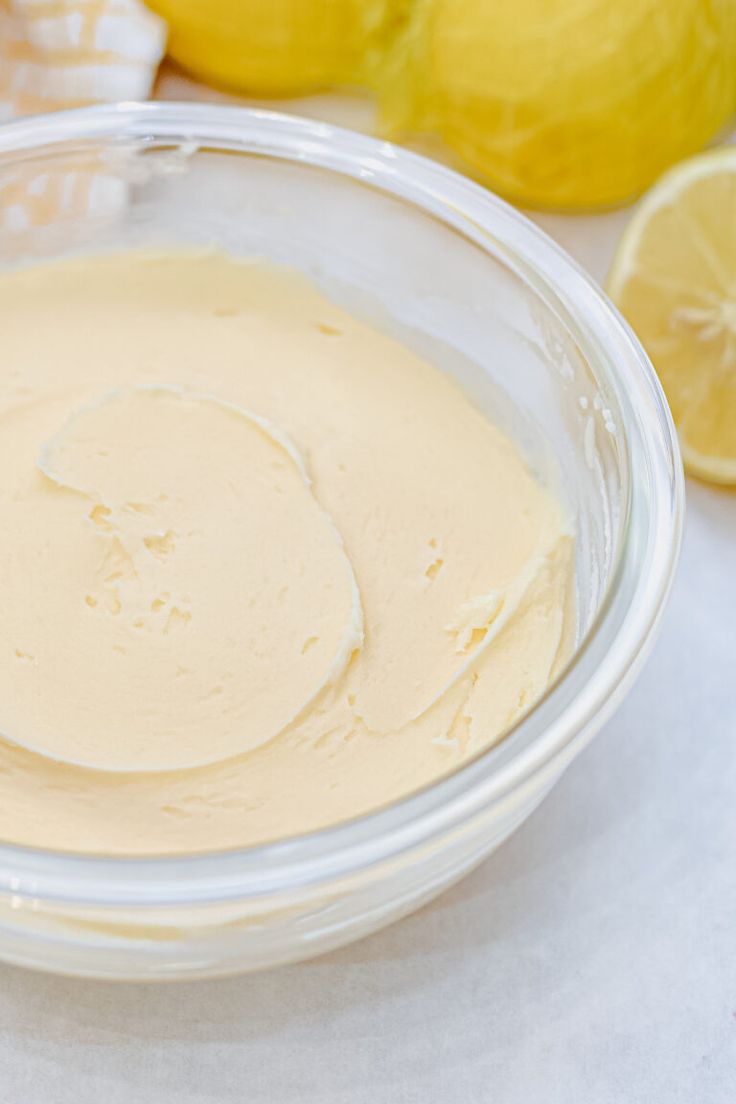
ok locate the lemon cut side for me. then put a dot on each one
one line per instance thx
(674, 278)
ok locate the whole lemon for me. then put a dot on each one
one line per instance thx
(565, 103)
(279, 47)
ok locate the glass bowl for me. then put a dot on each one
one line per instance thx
(474, 286)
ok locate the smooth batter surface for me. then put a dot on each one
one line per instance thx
(263, 568)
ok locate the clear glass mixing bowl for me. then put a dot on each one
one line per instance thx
(472, 284)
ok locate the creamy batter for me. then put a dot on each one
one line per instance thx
(263, 568)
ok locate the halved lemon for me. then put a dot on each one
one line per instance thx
(674, 278)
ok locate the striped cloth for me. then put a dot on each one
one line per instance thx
(67, 53)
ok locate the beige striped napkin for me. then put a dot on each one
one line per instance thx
(67, 53)
(64, 53)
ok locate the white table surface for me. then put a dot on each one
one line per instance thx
(592, 960)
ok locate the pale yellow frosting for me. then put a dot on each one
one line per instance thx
(263, 567)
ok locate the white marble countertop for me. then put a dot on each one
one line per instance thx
(592, 960)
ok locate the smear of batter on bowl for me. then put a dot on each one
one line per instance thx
(264, 568)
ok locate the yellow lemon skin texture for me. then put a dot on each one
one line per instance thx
(565, 103)
(279, 47)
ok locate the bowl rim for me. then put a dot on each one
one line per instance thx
(622, 632)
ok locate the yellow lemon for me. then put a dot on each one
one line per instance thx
(565, 103)
(275, 47)
(674, 277)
